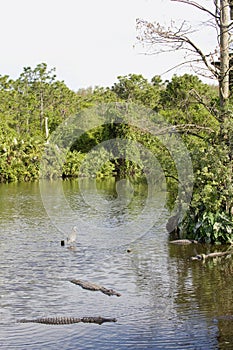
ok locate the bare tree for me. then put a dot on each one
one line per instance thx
(179, 37)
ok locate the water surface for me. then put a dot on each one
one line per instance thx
(167, 301)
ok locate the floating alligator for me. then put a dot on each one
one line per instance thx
(95, 287)
(68, 320)
(183, 241)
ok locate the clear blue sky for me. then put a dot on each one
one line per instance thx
(89, 42)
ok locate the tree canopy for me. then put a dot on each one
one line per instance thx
(33, 106)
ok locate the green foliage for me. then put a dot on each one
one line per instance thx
(33, 98)
(187, 100)
(212, 227)
(36, 104)
(71, 166)
(19, 159)
(185, 91)
(135, 88)
(210, 214)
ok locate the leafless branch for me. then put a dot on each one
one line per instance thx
(180, 38)
(199, 98)
(198, 6)
(172, 39)
(183, 128)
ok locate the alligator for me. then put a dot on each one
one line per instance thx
(95, 287)
(183, 241)
(68, 320)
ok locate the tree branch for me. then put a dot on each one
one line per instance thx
(198, 6)
(172, 39)
(195, 94)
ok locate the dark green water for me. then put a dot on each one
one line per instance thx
(167, 301)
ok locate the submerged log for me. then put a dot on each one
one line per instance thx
(95, 287)
(211, 255)
(183, 241)
(68, 320)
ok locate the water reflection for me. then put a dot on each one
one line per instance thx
(206, 287)
(103, 220)
(167, 300)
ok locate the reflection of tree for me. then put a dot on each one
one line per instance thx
(207, 285)
(164, 282)
(153, 279)
(20, 205)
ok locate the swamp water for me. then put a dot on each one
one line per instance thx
(167, 301)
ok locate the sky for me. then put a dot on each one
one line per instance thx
(89, 42)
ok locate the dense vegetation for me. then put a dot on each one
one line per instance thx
(36, 104)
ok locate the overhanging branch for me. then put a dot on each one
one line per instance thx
(198, 6)
(172, 39)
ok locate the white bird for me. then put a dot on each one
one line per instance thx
(71, 239)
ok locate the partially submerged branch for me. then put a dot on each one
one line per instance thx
(211, 255)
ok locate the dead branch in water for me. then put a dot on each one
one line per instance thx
(211, 255)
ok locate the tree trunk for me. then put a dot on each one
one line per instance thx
(224, 54)
(46, 128)
(41, 110)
